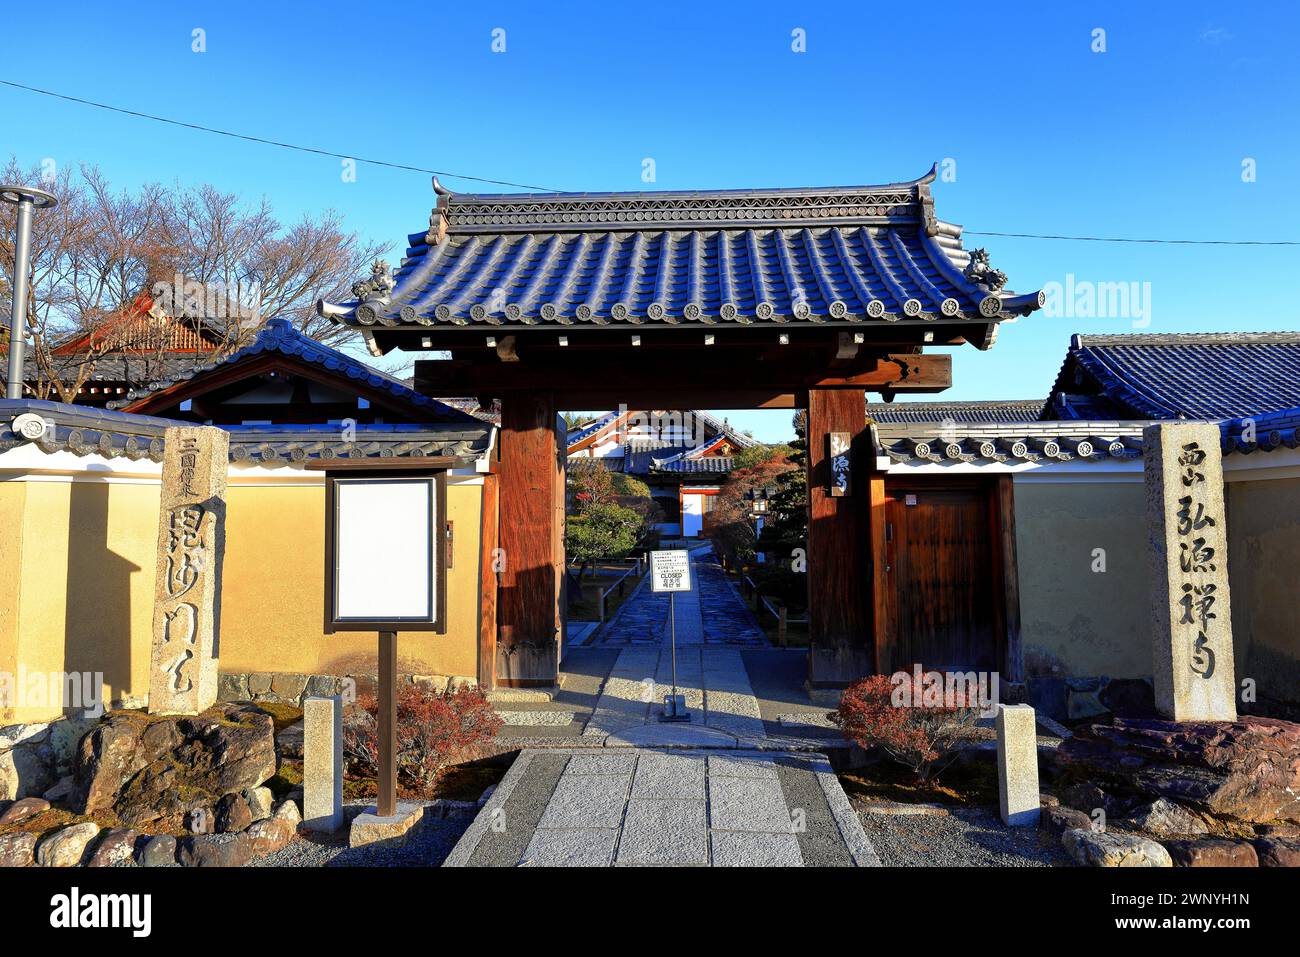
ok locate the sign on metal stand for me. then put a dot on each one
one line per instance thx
(670, 571)
(384, 572)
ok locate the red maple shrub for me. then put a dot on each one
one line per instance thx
(434, 729)
(898, 716)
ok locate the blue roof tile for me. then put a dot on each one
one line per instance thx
(874, 253)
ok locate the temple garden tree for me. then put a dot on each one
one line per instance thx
(597, 532)
(164, 269)
(784, 539)
(730, 525)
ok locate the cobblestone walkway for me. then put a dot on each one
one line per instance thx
(646, 807)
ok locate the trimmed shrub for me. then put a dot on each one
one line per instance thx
(900, 715)
(434, 729)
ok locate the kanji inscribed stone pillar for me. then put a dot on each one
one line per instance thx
(1191, 615)
(191, 539)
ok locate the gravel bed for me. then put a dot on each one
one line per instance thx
(428, 847)
(965, 837)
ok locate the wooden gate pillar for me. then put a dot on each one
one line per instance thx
(841, 646)
(531, 525)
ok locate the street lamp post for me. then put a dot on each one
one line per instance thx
(26, 198)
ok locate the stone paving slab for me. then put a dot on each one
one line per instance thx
(664, 832)
(578, 808)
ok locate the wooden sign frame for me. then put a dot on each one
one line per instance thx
(436, 621)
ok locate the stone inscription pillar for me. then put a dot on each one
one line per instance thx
(187, 597)
(1191, 614)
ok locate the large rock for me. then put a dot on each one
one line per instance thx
(1277, 851)
(116, 847)
(1164, 818)
(260, 802)
(147, 768)
(65, 847)
(1114, 849)
(159, 851)
(1246, 770)
(1129, 698)
(1212, 852)
(24, 772)
(215, 850)
(1057, 820)
(233, 814)
(275, 831)
(22, 810)
(17, 849)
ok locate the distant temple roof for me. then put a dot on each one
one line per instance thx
(1011, 410)
(829, 254)
(280, 336)
(1177, 376)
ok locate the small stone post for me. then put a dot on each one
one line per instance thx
(322, 766)
(1018, 799)
(1191, 614)
(187, 596)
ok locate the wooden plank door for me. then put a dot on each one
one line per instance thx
(943, 604)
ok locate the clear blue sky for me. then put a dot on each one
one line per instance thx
(1145, 139)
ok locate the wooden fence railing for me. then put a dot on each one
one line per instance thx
(778, 610)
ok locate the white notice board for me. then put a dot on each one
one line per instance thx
(670, 570)
(385, 562)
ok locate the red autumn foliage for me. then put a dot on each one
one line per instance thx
(872, 714)
(434, 729)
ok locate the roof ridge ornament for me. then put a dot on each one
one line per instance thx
(981, 273)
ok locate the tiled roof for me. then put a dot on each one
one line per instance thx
(717, 426)
(85, 431)
(1016, 410)
(1172, 376)
(840, 254)
(1009, 441)
(279, 335)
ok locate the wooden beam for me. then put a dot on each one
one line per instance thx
(695, 372)
(531, 542)
(841, 647)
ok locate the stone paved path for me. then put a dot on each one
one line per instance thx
(714, 681)
(647, 807)
(711, 613)
(717, 791)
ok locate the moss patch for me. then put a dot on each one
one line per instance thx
(283, 715)
(287, 777)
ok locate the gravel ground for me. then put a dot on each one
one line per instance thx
(964, 837)
(428, 848)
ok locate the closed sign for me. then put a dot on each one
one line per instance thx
(670, 571)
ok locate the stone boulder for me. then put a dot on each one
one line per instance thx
(1114, 849)
(66, 846)
(17, 849)
(23, 809)
(215, 850)
(116, 847)
(159, 851)
(1057, 820)
(1212, 852)
(1246, 770)
(1164, 818)
(146, 767)
(260, 802)
(233, 814)
(275, 831)
(24, 771)
(1277, 851)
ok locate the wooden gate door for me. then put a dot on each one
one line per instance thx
(942, 597)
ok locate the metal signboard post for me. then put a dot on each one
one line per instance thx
(670, 571)
(385, 570)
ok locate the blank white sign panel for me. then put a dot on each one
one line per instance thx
(382, 549)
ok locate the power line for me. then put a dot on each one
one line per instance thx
(503, 182)
(1166, 242)
(268, 142)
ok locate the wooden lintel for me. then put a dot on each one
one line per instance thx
(662, 376)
